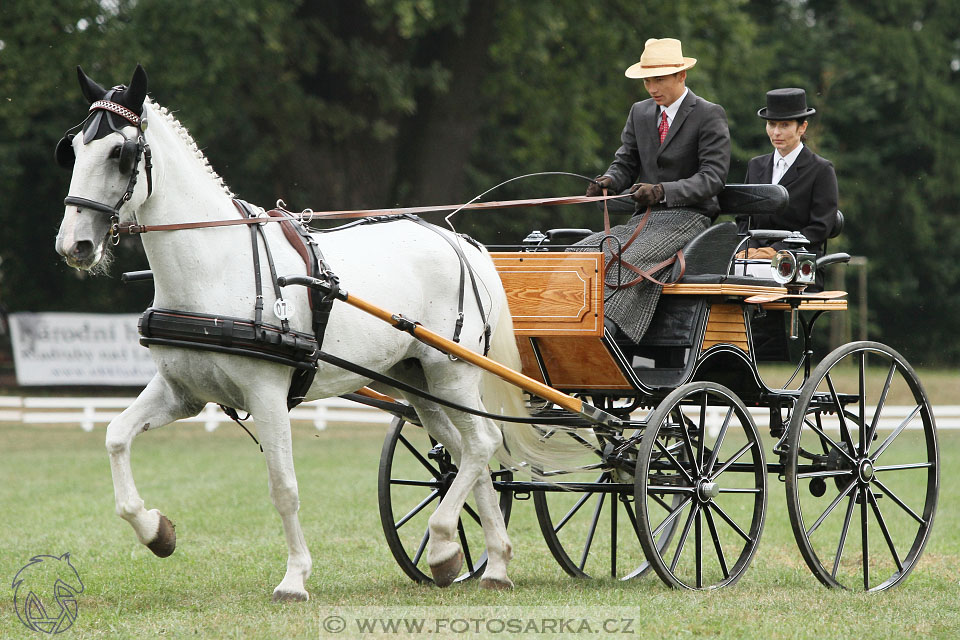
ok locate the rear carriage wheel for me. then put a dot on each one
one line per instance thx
(589, 522)
(701, 463)
(415, 474)
(862, 482)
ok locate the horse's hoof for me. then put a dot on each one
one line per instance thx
(290, 596)
(496, 584)
(166, 540)
(447, 571)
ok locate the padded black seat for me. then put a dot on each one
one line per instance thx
(708, 253)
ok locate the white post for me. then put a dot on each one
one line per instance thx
(212, 417)
(89, 415)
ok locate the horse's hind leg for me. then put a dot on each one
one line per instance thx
(479, 439)
(273, 428)
(155, 407)
(499, 549)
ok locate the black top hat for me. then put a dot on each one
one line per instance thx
(786, 104)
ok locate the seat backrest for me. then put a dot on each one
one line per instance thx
(837, 226)
(709, 251)
(748, 199)
(734, 199)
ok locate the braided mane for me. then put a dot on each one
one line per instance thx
(188, 140)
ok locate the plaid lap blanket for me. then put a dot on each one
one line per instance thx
(667, 231)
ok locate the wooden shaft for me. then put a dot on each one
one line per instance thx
(367, 392)
(448, 346)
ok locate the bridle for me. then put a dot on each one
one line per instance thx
(131, 152)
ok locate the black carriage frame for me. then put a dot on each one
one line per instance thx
(674, 459)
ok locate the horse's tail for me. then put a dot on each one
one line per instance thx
(526, 446)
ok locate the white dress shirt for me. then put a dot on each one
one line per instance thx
(672, 109)
(782, 163)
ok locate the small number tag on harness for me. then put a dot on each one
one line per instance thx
(281, 309)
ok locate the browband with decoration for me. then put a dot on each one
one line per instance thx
(118, 109)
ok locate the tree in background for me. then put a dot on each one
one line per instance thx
(886, 80)
(39, 99)
(376, 103)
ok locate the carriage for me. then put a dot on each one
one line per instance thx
(681, 486)
(664, 465)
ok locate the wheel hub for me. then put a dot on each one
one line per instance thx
(707, 490)
(866, 471)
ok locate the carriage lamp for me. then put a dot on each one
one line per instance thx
(784, 266)
(806, 267)
(795, 269)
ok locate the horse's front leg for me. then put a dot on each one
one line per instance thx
(155, 407)
(273, 428)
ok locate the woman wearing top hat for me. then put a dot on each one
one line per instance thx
(809, 179)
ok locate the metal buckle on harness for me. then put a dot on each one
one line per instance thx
(115, 229)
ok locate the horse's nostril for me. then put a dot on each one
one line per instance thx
(83, 249)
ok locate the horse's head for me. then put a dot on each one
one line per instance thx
(105, 158)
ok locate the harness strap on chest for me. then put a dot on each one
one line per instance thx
(307, 248)
(301, 239)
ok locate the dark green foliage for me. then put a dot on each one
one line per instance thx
(374, 103)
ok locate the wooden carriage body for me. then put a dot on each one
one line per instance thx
(701, 330)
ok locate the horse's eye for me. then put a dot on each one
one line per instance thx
(115, 152)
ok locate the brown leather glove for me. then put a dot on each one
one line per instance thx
(646, 195)
(596, 189)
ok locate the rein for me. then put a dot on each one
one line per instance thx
(308, 216)
(618, 259)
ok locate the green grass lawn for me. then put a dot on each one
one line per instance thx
(56, 496)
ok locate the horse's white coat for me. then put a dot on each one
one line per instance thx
(399, 266)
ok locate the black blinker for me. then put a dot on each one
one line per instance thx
(128, 156)
(64, 154)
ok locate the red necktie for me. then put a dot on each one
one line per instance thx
(664, 126)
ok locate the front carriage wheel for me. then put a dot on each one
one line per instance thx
(415, 474)
(862, 479)
(701, 462)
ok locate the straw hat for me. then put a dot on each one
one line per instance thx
(661, 57)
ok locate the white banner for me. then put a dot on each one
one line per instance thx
(79, 349)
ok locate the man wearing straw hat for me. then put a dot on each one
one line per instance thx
(675, 152)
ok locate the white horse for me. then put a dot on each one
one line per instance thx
(399, 265)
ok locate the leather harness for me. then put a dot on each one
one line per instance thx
(254, 338)
(280, 344)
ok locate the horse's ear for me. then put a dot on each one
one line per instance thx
(91, 90)
(137, 91)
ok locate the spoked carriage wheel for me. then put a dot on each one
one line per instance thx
(702, 446)
(415, 473)
(862, 482)
(591, 528)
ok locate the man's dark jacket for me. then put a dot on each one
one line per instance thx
(812, 185)
(691, 164)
